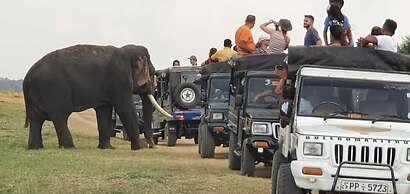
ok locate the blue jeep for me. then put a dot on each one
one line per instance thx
(177, 93)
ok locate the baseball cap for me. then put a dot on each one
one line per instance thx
(263, 37)
(192, 57)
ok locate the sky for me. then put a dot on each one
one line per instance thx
(170, 29)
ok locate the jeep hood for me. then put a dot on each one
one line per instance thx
(354, 129)
(263, 113)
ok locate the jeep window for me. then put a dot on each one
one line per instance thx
(356, 99)
(261, 93)
(219, 90)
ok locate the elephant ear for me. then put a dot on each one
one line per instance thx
(140, 71)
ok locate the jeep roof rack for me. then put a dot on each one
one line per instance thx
(347, 57)
(220, 67)
(265, 62)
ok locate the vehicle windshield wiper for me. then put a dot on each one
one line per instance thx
(332, 114)
(388, 118)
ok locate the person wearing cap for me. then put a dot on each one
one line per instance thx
(193, 60)
(243, 37)
(312, 36)
(226, 53)
(262, 45)
(335, 16)
(279, 40)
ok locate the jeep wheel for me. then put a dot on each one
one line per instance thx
(277, 160)
(247, 160)
(234, 160)
(207, 142)
(171, 137)
(285, 182)
(187, 95)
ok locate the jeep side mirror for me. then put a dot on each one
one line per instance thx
(238, 100)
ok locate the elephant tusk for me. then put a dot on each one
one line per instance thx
(159, 108)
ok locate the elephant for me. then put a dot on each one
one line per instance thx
(80, 77)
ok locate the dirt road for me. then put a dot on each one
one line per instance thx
(185, 148)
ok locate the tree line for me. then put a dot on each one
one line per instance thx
(11, 85)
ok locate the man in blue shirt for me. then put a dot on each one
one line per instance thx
(312, 36)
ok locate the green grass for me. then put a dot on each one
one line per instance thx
(87, 169)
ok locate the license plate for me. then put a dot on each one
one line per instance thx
(356, 186)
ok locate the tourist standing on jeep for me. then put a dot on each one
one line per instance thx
(335, 16)
(226, 53)
(243, 37)
(312, 36)
(383, 42)
(279, 40)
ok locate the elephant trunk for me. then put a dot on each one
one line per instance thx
(159, 108)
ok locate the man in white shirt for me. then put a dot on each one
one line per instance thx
(384, 42)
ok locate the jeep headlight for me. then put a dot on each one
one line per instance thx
(261, 128)
(312, 149)
(217, 116)
(408, 154)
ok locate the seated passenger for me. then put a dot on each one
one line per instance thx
(338, 35)
(384, 42)
(226, 53)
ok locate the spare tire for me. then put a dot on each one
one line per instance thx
(187, 95)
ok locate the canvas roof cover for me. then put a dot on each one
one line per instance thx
(347, 57)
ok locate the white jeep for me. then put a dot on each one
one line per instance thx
(349, 131)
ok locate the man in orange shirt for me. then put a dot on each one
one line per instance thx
(243, 37)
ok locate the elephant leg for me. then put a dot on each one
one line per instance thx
(65, 140)
(126, 111)
(147, 116)
(104, 123)
(35, 140)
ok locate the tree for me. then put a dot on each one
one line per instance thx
(404, 48)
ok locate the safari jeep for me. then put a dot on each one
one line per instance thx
(117, 124)
(349, 128)
(213, 130)
(253, 112)
(177, 93)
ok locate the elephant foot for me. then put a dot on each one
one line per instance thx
(66, 146)
(105, 146)
(135, 145)
(35, 146)
(150, 143)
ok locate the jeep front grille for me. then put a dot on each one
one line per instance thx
(364, 154)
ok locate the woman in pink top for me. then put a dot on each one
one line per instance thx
(279, 40)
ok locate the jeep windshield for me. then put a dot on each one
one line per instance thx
(354, 99)
(261, 93)
(219, 90)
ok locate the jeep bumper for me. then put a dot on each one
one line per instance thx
(354, 173)
(262, 147)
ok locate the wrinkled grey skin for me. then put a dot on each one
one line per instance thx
(87, 76)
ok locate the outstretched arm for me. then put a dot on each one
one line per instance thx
(265, 27)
